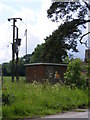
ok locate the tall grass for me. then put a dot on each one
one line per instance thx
(36, 99)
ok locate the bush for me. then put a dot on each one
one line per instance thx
(7, 98)
(74, 76)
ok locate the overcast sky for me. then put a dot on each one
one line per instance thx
(34, 18)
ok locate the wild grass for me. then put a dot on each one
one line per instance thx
(35, 99)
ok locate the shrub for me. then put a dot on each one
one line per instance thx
(7, 98)
(73, 76)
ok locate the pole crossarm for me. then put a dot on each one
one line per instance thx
(14, 18)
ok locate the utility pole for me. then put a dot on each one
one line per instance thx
(13, 46)
(17, 43)
(17, 74)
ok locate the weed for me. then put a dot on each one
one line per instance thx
(36, 99)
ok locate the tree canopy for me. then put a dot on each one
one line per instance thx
(74, 13)
(68, 11)
(7, 67)
(72, 17)
(37, 55)
(57, 45)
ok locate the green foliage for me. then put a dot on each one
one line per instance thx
(21, 67)
(27, 58)
(35, 99)
(73, 15)
(56, 47)
(65, 10)
(37, 54)
(7, 67)
(68, 59)
(74, 76)
(7, 98)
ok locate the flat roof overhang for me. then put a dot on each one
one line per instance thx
(48, 64)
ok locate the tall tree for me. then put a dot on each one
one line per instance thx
(27, 58)
(74, 13)
(57, 46)
(37, 55)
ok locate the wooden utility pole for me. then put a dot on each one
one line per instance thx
(13, 47)
(17, 43)
(17, 74)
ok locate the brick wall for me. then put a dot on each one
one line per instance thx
(35, 73)
(39, 72)
(87, 55)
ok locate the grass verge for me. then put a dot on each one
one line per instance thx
(28, 100)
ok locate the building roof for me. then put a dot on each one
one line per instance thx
(49, 64)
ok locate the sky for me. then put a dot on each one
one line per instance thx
(34, 19)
